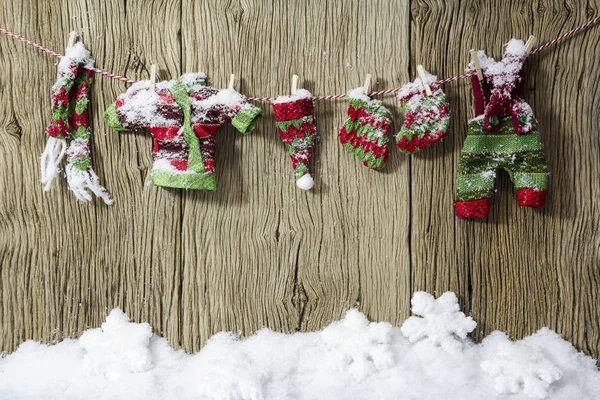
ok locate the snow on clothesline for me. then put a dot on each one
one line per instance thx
(429, 357)
(326, 97)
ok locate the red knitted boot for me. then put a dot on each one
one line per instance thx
(531, 197)
(473, 208)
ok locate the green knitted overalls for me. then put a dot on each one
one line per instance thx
(503, 135)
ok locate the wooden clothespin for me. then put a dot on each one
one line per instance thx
(231, 81)
(294, 84)
(72, 39)
(476, 63)
(529, 44)
(153, 77)
(367, 84)
(421, 72)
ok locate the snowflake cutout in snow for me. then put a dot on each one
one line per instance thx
(518, 366)
(439, 323)
(359, 347)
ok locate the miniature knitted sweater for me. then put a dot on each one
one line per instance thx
(183, 116)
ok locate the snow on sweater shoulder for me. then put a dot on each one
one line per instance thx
(140, 106)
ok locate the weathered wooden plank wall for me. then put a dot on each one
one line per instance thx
(259, 252)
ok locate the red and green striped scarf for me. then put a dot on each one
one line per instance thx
(70, 99)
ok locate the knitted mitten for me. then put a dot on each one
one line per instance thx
(294, 118)
(426, 118)
(70, 98)
(364, 132)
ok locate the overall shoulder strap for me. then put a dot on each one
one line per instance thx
(504, 77)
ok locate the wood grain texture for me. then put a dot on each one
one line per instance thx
(259, 252)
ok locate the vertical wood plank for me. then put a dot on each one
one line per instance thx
(260, 252)
(64, 265)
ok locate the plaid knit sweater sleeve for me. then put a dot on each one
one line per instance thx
(212, 108)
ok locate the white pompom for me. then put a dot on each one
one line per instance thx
(305, 182)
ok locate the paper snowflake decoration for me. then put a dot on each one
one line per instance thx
(518, 366)
(357, 346)
(439, 323)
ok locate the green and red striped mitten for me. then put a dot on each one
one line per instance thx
(365, 131)
(294, 118)
(426, 118)
(70, 99)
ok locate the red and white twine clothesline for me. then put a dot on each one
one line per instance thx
(326, 97)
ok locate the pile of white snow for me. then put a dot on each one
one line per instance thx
(429, 357)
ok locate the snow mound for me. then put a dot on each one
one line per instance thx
(357, 346)
(225, 372)
(518, 366)
(430, 357)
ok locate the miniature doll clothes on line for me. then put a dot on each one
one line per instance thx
(295, 122)
(503, 135)
(183, 116)
(426, 117)
(69, 132)
(364, 132)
